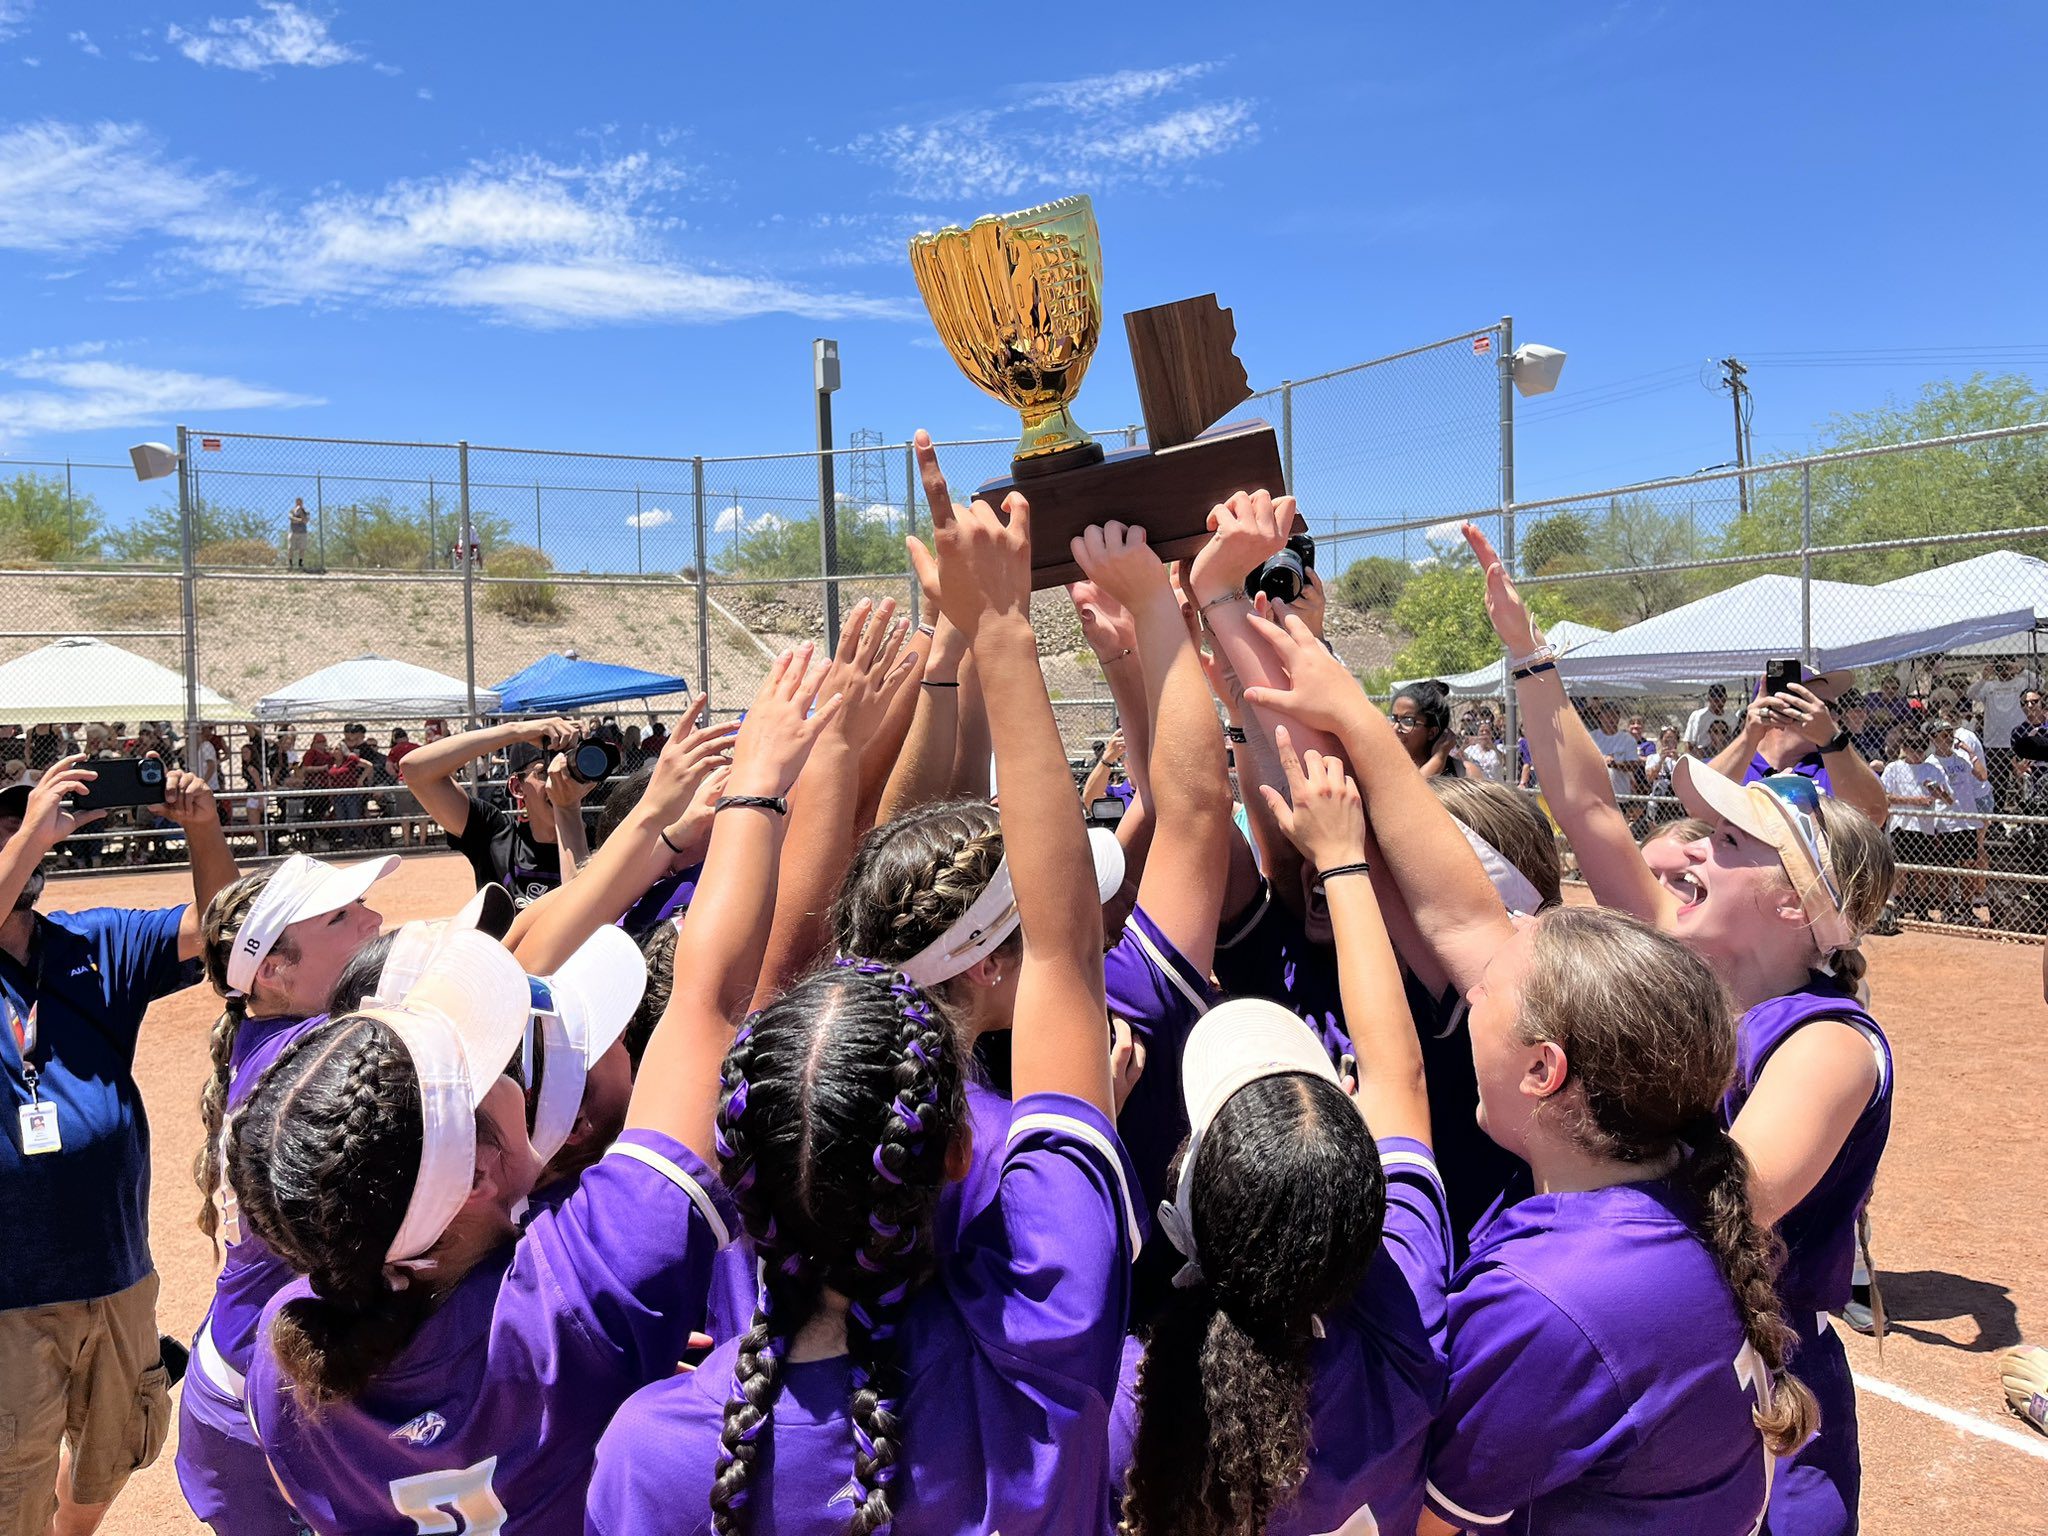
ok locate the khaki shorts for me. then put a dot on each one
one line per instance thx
(89, 1372)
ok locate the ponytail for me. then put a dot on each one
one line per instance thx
(218, 926)
(322, 1158)
(1716, 1174)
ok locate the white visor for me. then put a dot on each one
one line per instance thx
(461, 1024)
(578, 1014)
(992, 916)
(1235, 1044)
(1509, 883)
(297, 889)
(414, 945)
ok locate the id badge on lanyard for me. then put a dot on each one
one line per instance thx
(39, 1132)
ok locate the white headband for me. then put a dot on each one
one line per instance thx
(447, 1130)
(1509, 883)
(992, 916)
(549, 1056)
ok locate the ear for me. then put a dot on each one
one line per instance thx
(1546, 1071)
(985, 972)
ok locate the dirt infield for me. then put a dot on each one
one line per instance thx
(1958, 1211)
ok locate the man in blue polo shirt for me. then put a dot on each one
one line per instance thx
(84, 1399)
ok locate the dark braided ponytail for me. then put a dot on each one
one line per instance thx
(222, 921)
(322, 1158)
(1650, 1037)
(839, 1104)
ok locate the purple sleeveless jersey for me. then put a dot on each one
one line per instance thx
(1600, 1380)
(1009, 1360)
(491, 1415)
(1818, 1487)
(735, 1272)
(1377, 1375)
(220, 1469)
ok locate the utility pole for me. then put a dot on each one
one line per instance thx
(1739, 396)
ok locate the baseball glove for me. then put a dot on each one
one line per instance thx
(2024, 1370)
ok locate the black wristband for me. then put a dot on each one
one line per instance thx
(1234, 733)
(1360, 868)
(1525, 673)
(934, 683)
(775, 803)
(672, 848)
(1841, 742)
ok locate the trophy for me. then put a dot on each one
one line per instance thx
(1017, 301)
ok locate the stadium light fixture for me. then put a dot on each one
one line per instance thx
(1535, 368)
(153, 461)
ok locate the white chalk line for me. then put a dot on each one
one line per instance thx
(1969, 1423)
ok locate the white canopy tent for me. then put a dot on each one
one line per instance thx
(81, 678)
(1491, 682)
(373, 687)
(2004, 576)
(1735, 632)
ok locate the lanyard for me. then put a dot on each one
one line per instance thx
(21, 1027)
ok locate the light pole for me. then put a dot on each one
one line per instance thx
(825, 375)
(1530, 370)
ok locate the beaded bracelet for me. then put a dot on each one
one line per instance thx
(775, 803)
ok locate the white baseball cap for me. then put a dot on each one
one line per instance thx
(461, 1024)
(576, 1015)
(1235, 1044)
(992, 916)
(299, 888)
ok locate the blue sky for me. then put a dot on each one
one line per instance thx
(618, 226)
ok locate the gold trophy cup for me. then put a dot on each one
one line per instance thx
(1017, 300)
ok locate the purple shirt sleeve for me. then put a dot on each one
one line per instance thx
(1151, 986)
(1532, 1404)
(1043, 1275)
(604, 1262)
(1417, 1235)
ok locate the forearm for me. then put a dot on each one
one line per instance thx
(1392, 1093)
(1096, 785)
(1126, 678)
(1229, 622)
(213, 866)
(1852, 782)
(814, 860)
(1733, 760)
(1580, 795)
(884, 751)
(617, 875)
(443, 759)
(967, 776)
(572, 836)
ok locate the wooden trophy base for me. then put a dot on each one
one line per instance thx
(1167, 492)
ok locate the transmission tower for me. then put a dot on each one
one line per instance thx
(867, 476)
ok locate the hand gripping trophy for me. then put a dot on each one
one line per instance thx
(1017, 301)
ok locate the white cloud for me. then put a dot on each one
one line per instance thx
(283, 36)
(653, 517)
(64, 186)
(13, 16)
(85, 42)
(1098, 130)
(88, 392)
(32, 63)
(738, 519)
(1451, 534)
(424, 94)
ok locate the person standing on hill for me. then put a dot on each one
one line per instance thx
(295, 534)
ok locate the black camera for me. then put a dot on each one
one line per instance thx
(1283, 577)
(593, 761)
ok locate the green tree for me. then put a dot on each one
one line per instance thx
(1376, 582)
(1630, 534)
(1443, 608)
(531, 601)
(1918, 494)
(156, 537)
(1561, 541)
(39, 522)
(867, 546)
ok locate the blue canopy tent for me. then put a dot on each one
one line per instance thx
(557, 684)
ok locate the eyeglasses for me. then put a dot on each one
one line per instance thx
(1801, 796)
(1405, 722)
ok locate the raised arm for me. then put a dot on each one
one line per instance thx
(1112, 634)
(1182, 887)
(718, 952)
(45, 822)
(924, 768)
(566, 794)
(1438, 874)
(429, 770)
(885, 744)
(984, 567)
(654, 840)
(1569, 765)
(1327, 820)
(826, 800)
(188, 802)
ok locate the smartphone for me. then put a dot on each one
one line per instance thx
(121, 781)
(1781, 674)
(1105, 812)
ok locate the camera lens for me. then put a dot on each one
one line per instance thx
(1281, 578)
(591, 762)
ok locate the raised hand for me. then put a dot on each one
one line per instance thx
(1326, 816)
(47, 819)
(564, 788)
(1119, 562)
(689, 835)
(1799, 710)
(187, 801)
(1245, 532)
(554, 732)
(689, 759)
(981, 559)
(1509, 615)
(1111, 632)
(1320, 691)
(864, 669)
(781, 726)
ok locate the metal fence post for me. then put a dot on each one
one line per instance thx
(468, 588)
(320, 506)
(910, 528)
(639, 551)
(1505, 364)
(539, 547)
(70, 512)
(1806, 564)
(703, 581)
(1287, 434)
(188, 596)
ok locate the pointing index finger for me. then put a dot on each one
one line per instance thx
(937, 499)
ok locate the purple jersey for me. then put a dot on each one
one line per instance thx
(667, 898)
(1600, 1377)
(492, 1412)
(1376, 1376)
(1811, 766)
(220, 1469)
(736, 1274)
(1009, 1362)
(1263, 952)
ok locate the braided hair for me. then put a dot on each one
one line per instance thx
(218, 928)
(838, 1105)
(322, 1158)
